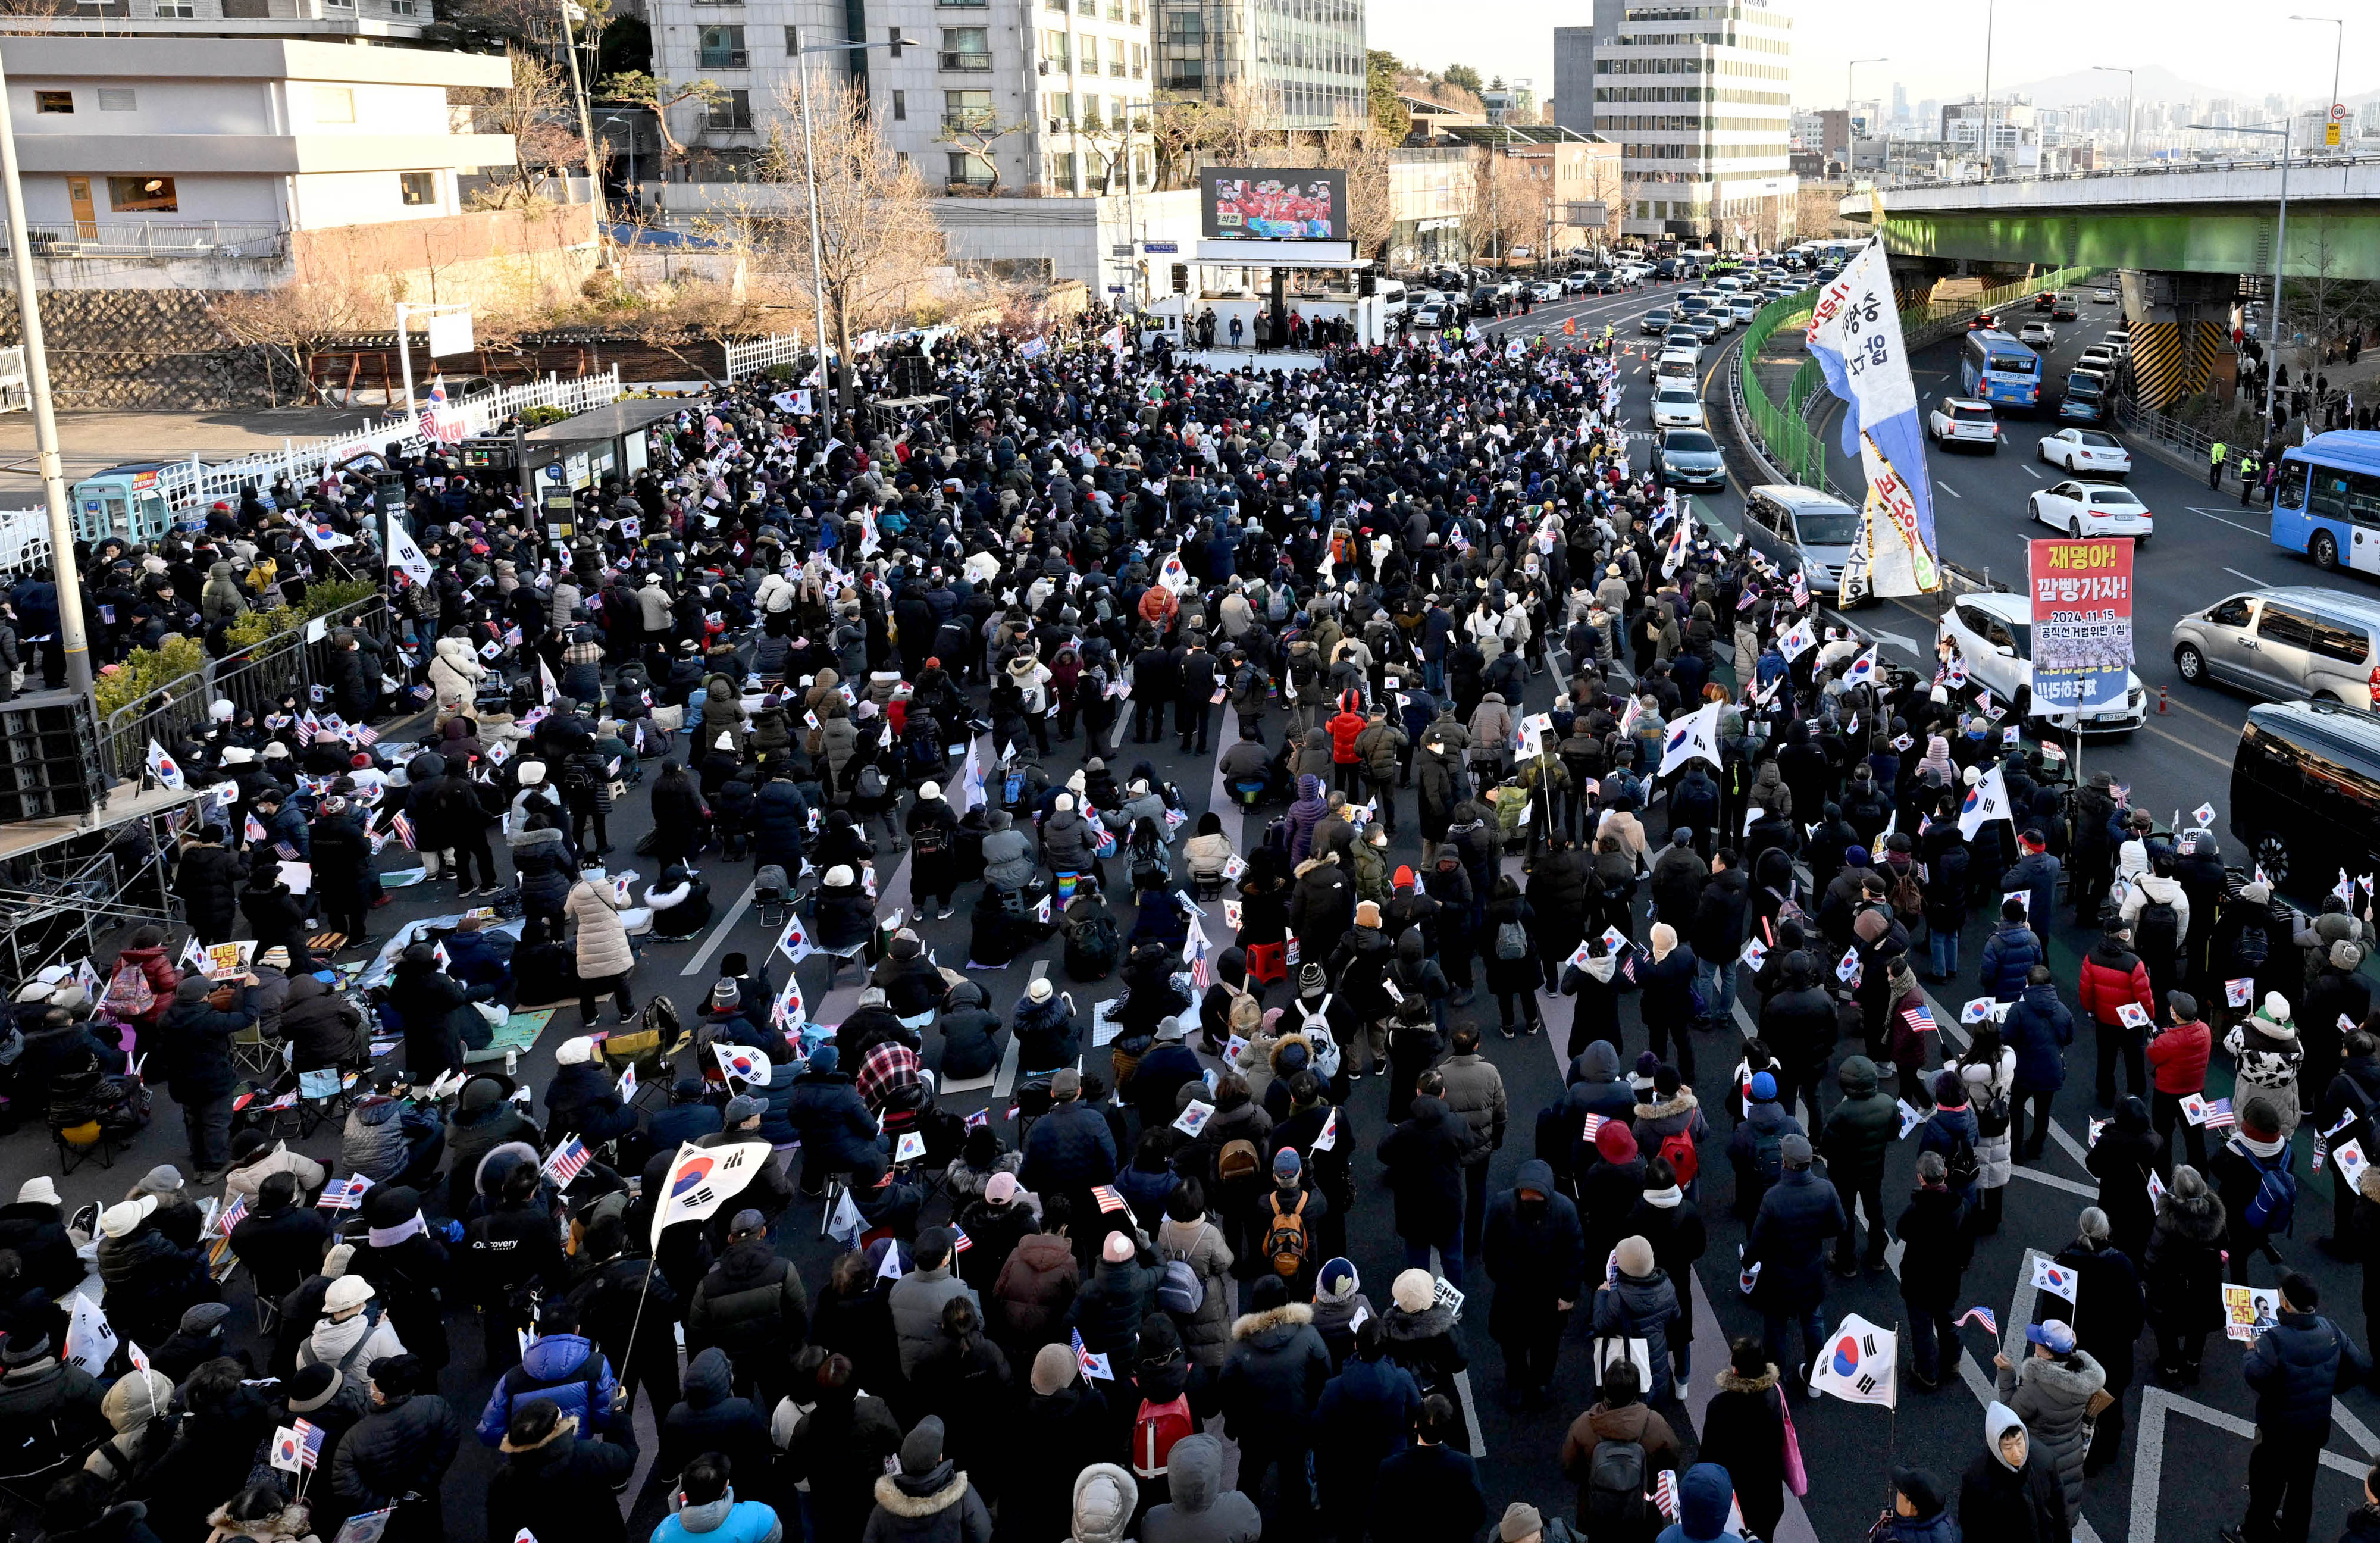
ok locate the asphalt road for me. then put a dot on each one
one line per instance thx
(2201, 1438)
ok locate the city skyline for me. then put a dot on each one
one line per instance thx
(2293, 59)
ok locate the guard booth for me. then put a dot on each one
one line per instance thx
(126, 501)
(583, 449)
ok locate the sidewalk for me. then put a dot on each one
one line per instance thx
(91, 442)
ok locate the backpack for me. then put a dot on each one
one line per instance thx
(929, 840)
(1149, 868)
(1615, 1492)
(576, 778)
(2274, 1207)
(1236, 1163)
(1992, 1113)
(869, 783)
(1965, 1170)
(1284, 1239)
(1907, 900)
(1179, 1290)
(1769, 1153)
(1091, 947)
(1155, 1428)
(1511, 940)
(1678, 1152)
(2250, 949)
(128, 994)
(2156, 931)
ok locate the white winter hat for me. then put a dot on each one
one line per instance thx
(220, 711)
(347, 1293)
(929, 790)
(37, 1191)
(1040, 990)
(119, 1220)
(727, 740)
(1064, 804)
(841, 876)
(531, 773)
(576, 1052)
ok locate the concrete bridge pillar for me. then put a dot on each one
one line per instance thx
(2181, 332)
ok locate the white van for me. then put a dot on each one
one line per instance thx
(1394, 298)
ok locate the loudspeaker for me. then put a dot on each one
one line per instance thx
(49, 757)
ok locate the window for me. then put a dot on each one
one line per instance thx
(2342, 641)
(793, 42)
(900, 106)
(2231, 612)
(176, 10)
(1087, 49)
(968, 48)
(966, 110)
(731, 114)
(723, 47)
(335, 105)
(142, 195)
(418, 189)
(2280, 625)
(969, 170)
(118, 99)
(1061, 171)
(892, 36)
(54, 102)
(2290, 492)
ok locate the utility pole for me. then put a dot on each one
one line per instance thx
(585, 134)
(71, 637)
(1990, 9)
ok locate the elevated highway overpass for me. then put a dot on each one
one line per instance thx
(2182, 236)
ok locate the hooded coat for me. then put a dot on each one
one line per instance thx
(2024, 1505)
(1534, 1250)
(563, 1485)
(1200, 1509)
(2052, 1395)
(928, 1500)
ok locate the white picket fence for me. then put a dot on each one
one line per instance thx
(758, 354)
(24, 533)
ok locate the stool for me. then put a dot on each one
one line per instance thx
(76, 1143)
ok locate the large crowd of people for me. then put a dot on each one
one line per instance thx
(837, 651)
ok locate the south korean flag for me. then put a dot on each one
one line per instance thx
(1859, 1364)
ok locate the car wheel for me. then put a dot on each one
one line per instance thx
(2041, 451)
(2325, 551)
(2191, 663)
(2272, 855)
(2074, 527)
(2022, 703)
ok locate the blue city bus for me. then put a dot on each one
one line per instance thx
(1995, 367)
(2327, 501)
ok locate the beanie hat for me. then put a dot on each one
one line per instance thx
(1064, 804)
(724, 995)
(1367, 914)
(1764, 1089)
(1054, 1368)
(1521, 1521)
(1404, 880)
(1414, 1291)
(1338, 1280)
(1117, 1249)
(825, 1058)
(2182, 1005)
(1309, 979)
(1795, 1149)
(575, 1052)
(1635, 1257)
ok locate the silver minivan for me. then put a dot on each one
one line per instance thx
(1798, 528)
(2285, 644)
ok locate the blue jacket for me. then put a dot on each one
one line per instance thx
(2039, 1028)
(1941, 1527)
(565, 1369)
(728, 1520)
(1068, 1148)
(1365, 1414)
(1788, 1242)
(826, 1112)
(2010, 954)
(1942, 1131)
(2297, 1367)
(1704, 1493)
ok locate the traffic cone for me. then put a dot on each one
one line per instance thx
(2161, 697)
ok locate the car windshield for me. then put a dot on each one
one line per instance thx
(1826, 527)
(1686, 440)
(1678, 394)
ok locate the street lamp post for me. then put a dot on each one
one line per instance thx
(2120, 70)
(2280, 244)
(801, 52)
(1990, 18)
(633, 199)
(1851, 154)
(2336, 50)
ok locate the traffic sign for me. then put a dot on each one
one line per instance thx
(2330, 135)
(2339, 111)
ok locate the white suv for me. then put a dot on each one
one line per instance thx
(1964, 420)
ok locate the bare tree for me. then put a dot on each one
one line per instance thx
(1363, 151)
(877, 233)
(638, 88)
(979, 135)
(327, 302)
(536, 110)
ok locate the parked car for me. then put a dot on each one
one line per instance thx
(2305, 791)
(1994, 635)
(2287, 644)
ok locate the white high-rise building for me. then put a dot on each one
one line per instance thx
(1698, 97)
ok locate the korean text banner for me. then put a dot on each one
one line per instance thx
(1854, 334)
(2082, 622)
(1296, 204)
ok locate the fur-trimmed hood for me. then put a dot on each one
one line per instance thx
(2195, 1218)
(897, 1502)
(564, 1429)
(1288, 1316)
(1681, 1102)
(1727, 1381)
(1435, 1319)
(1321, 859)
(295, 1521)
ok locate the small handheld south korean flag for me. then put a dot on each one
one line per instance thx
(2240, 992)
(1093, 1365)
(1859, 1364)
(1862, 670)
(2204, 815)
(2053, 1278)
(1848, 968)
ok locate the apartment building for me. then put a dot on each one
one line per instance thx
(1302, 60)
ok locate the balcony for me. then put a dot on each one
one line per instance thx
(203, 238)
(974, 120)
(724, 59)
(967, 62)
(1115, 67)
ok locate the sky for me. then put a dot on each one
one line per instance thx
(1943, 57)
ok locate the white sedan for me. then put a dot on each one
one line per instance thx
(2093, 509)
(2085, 450)
(1677, 407)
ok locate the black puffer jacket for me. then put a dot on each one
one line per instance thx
(149, 1284)
(402, 1449)
(322, 1026)
(541, 861)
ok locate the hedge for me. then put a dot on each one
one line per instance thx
(147, 670)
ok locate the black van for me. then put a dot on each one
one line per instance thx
(2305, 791)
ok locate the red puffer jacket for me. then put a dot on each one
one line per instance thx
(1343, 727)
(2112, 976)
(2178, 1058)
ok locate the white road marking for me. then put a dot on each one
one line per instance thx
(2034, 474)
(2249, 576)
(2148, 1453)
(1949, 489)
(2221, 520)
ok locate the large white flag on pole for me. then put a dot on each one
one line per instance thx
(1987, 801)
(1694, 734)
(970, 788)
(701, 1179)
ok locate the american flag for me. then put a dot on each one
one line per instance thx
(1093, 1365)
(366, 735)
(1108, 1197)
(343, 1193)
(980, 1117)
(1918, 1018)
(308, 727)
(960, 1242)
(1982, 1316)
(567, 1160)
(1587, 1129)
(402, 828)
(1202, 972)
(234, 1214)
(2219, 1116)
(289, 853)
(1627, 964)
(310, 1443)
(432, 408)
